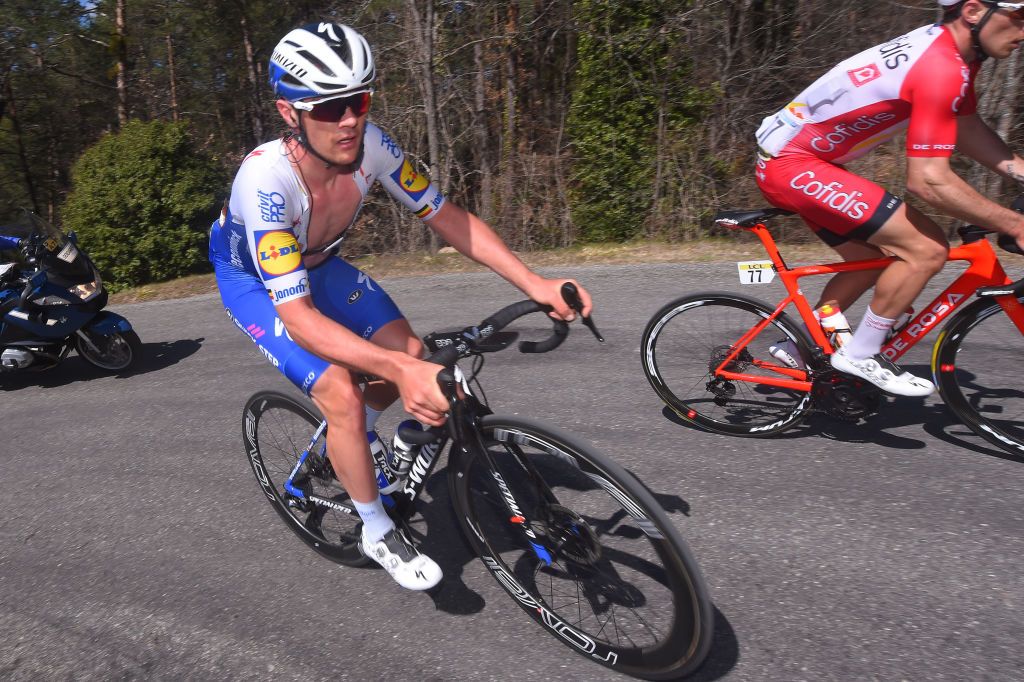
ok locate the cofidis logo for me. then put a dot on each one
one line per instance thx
(278, 253)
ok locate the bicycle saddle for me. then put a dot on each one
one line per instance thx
(748, 218)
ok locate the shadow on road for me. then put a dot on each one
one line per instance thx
(154, 357)
(935, 419)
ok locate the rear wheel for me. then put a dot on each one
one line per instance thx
(583, 548)
(277, 429)
(975, 367)
(112, 352)
(690, 337)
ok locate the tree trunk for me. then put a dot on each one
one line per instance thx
(423, 35)
(121, 44)
(11, 111)
(485, 204)
(255, 100)
(171, 78)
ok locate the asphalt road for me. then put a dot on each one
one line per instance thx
(134, 542)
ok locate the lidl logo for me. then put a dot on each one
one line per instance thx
(410, 181)
(278, 253)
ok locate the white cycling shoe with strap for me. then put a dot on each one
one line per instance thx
(396, 553)
(883, 373)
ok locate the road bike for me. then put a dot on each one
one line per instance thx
(707, 354)
(576, 540)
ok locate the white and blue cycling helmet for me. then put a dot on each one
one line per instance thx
(321, 60)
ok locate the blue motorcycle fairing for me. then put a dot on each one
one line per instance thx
(106, 323)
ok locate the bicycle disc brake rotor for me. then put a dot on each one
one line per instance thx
(845, 397)
(571, 537)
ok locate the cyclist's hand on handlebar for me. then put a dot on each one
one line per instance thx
(549, 292)
(421, 394)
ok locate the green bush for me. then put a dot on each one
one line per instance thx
(629, 81)
(142, 202)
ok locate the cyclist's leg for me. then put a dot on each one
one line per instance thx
(921, 249)
(351, 298)
(842, 207)
(845, 288)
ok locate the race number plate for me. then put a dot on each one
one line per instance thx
(756, 271)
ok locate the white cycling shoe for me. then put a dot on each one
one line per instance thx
(398, 556)
(883, 373)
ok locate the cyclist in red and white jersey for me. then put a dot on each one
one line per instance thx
(922, 83)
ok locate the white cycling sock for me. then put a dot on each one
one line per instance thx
(870, 335)
(376, 522)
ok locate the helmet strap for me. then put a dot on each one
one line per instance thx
(299, 135)
(976, 33)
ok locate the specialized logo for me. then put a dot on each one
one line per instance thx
(255, 152)
(845, 131)
(411, 182)
(864, 74)
(271, 206)
(844, 202)
(278, 253)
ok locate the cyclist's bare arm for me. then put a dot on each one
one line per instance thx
(416, 380)
(475, 239)
(932, 179)
(978, 141)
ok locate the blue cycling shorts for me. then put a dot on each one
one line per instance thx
(340, 291)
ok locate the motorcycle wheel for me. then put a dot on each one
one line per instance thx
(111, 352)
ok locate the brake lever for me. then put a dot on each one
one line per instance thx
(571, 295)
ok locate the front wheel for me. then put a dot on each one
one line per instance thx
(689, 338)
(277, 431)
(975, 365)
(112, 352)
(583, 548)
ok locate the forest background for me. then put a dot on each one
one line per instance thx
(560, 122)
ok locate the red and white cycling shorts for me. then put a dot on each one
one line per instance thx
(835, 203)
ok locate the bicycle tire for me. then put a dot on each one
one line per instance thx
(276, 429)
(604, 531)
(974, 365)
(687, 338)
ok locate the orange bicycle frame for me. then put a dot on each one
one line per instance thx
(984, 270)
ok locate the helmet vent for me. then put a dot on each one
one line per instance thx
(320, 66)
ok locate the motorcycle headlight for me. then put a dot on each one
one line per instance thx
(88, 290)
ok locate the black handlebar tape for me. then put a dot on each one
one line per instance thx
(506, 315)
(1007, 243)
(560, 331)
(447, 356)
(571, 295)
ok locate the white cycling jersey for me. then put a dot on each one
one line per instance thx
(916, 81)
(264, 228)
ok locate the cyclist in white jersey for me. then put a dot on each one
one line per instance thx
(319, 320)
(921, 82)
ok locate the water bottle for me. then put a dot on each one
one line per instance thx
(402, 453)
(387, 481)
(837, 329)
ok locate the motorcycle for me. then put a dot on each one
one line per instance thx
(53, 300)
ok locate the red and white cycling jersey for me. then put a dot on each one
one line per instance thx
(917, 81)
